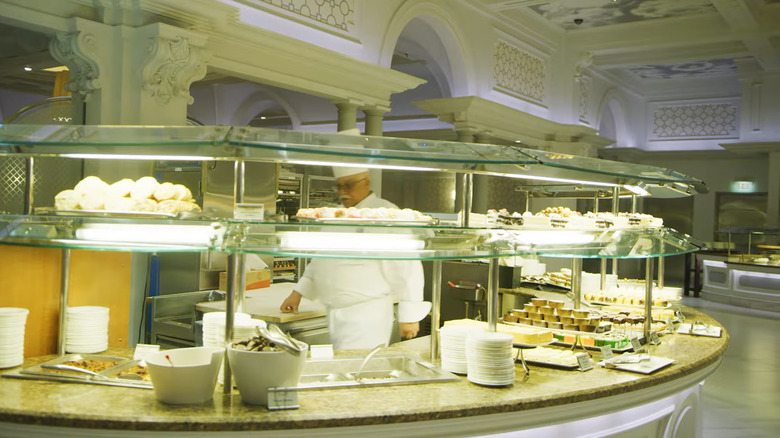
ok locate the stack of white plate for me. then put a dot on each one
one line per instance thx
(453, 347)
(86, 329)
(490, 359)
(12, 321)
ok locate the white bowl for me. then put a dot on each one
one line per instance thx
(191, 378)
(256, 371)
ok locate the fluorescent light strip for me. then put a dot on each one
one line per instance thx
(150, 234)
(637, 190)
(371, 166)
(553, 237)
(550, 178)
(140, 157)
(349, 241)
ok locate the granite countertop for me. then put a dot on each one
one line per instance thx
(105, 407)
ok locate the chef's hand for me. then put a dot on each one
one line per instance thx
(291, 303)
(409, 329)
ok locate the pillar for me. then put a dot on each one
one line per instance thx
(131, 75)
(347, 115)
(773, 192)
(466, 135)
(374, 118)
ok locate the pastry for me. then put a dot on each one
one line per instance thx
(91, 184)
(67, 200)
(182, 193)
(144, 188)
(116, 203)
(121, 188)
(164, 192)
(93, 201)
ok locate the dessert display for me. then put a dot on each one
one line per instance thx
(552, 315)
(632, 292)
(522, 335)
(564, 218)
(560, 278)
(144, 195)
(551, 356)
(137, 370)
(381, 213)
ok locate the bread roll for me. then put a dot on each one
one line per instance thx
(182, 193)
(164, 192)
(67, 200)
(144, 188)
(145, 205)
(91, 184)
(121, 188)
(93, 201)
(118, 203)
(170, 206)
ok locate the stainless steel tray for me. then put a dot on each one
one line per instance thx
(109, 376)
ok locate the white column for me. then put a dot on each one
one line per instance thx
(374, 118)
(347, 114)
(129, 75)
(773, 191)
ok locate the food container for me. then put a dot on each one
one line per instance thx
(554, 325)
(580, 321)
(546, 310)
(551, 318)
(510, 318)
(571, 327)
(587, 328)
(581, 313)
(530, 308)
(519, 313)
(555, 304)
(185, 375)
(536, 316)
(538, 323)
(564, 311)
(567, 319)
(524, 321)
(256, 371)
(538, 302)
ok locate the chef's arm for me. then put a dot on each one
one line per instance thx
(409, 329)
(291, 303)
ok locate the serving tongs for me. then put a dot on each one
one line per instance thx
(282, 339)
(63, 367)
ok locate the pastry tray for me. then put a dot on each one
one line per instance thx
(106, 213)
(689, 329)
(110, 374)
(547, 364)
(633, 306)
(593, 347)
(363, 221)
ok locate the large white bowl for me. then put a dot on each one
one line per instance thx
(256, 371)
(191, 378)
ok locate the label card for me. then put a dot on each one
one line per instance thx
(249, 211)
(282, 398)
(143, 351)
(606, 352)
(583, 360)
(654, 339)
(635, 344)
(321, 351)
(669, 325)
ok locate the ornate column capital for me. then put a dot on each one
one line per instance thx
(78, 50)
(175, 59)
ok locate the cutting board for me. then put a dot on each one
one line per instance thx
(264, 304)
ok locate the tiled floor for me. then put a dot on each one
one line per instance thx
(742, 398)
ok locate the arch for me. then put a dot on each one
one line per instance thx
(460, 75)
(612, 106)
(261, 100)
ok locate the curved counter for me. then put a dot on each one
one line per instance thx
(596, 401)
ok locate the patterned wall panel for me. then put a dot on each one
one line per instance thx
(51, 175)
(519, 72)
(334, 13)
(709, 120)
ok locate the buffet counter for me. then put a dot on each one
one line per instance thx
(599, 401)
(738, 281)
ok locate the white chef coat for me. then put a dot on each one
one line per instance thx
(359, 294)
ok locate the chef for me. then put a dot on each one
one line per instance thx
(359, 294)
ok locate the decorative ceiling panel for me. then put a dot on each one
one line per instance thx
(595, 13)
(712, 67)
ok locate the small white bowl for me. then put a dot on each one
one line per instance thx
(256, 371)
(192, 377)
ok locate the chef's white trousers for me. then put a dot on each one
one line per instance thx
(361, 326)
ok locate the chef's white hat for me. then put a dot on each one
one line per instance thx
(340, 172)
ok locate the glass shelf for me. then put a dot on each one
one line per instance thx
(203, 143)
(370, 241)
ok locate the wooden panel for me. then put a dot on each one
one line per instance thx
(30, 278)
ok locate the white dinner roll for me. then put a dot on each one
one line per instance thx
(67, 200)
(145, 205)
(188, 206)
(182, 193)
(144, 188)
(121, 188)
(164, 192)
(93, 201)
(91, 184)
(170, 206)
(118, 203)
